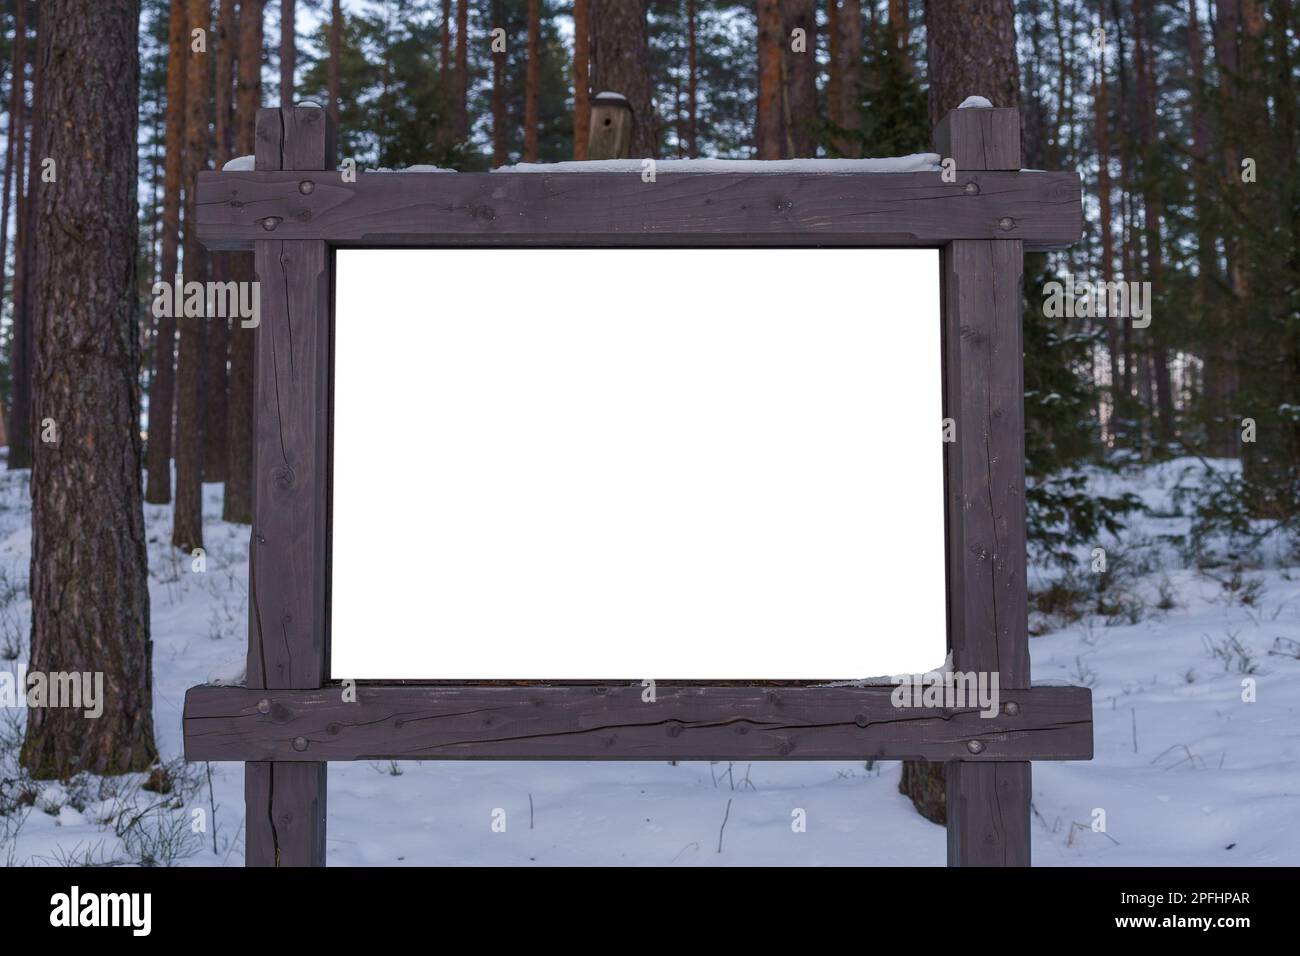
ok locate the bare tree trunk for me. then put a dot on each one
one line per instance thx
(237, 504)
(23, 437)
(14, 157)
(462, 70)
(187, 526)
(500, 148)
(336, 48)
(834, 69)
(767, 121)
(1101, 123)
(581, 79)
(288, 52)
(217, 340)
(90, 574)
(800, 86)
(621, 64)
(851, 75)
(972, 52)
(692, 80)
(531, 79)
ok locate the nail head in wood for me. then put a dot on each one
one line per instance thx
(306, 186)
(975, 746)
(1011, 708)
(263, 706)
(300, 744)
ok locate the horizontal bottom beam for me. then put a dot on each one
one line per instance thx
(618, 722)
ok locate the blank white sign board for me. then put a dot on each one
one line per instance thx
(637, 463)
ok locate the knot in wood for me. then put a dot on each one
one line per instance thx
(861, 720)
(785, 748)
(674, 730)
(784, 205)
(283, 477)
(486, 213)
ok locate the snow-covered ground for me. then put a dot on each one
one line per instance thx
(1185, 770)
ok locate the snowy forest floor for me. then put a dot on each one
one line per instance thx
(1186, 772)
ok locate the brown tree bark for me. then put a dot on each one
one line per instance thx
(835, 65)
(581, 76)
(800, 115)
(162, 389)
(1101, 123)
(851, 75)
(972, 51)
(462, 70)
(500, 149)
(767, 121)
(237, 504)
(90, 574)
(217, 340)
(187, 523)
(971, 48)
(621, 64)
(532, 77)
(336, 48)
(22, 437)
(14, 158)
(288, 51)
(692, 82)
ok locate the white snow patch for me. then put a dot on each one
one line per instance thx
(975, 103)
(915, 163)
(418, 168)
(611, 96)
(229, 673)
(240, 164)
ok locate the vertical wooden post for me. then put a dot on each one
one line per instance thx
(611, 127)
(988, 803)
(289, 552)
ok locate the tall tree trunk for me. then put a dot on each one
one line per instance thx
(462, 70)
(500, 135)
(238, 502)
(336, 50)
(901, 30)
(834, 70)
(621, 64)
(532, 77)
(1101, 123)
(851, 89)
(162, 389)
(972, 51)
(692, 82)
(90, 573)
(187, 525)
(971, 48)
(800, 75)
(14, 157)
(767, 121)
(288, 52)
(217, 340)
(581, 79)
(23, 438)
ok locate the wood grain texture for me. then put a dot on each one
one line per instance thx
(285, 819)
(980, 139)
(612, 722)
(981, 291)
(1044, 210)
(289, 548)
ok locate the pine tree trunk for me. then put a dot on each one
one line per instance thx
(187, 526)
(621, 64)
(13, 166)
(532, 77)
(692, 82)
(851, 76)
(288, 52)
(162, 389)
(237, 504)
(581, 78)
(1101, 124)
(90, 575)
(462, 70)
(801, 115)
(834, 79)
(22, 436)
(217, 341)
(767, 122)
(971, 48)
(336, 46)
(500, 135)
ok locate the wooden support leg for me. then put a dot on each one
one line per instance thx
(988, 813)
(284, 814)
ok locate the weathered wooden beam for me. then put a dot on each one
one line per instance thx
(1043, 210)
(980, 282)
(613, 722)
(289, 550)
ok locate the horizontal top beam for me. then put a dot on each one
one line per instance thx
(235, 209)
(615, 722)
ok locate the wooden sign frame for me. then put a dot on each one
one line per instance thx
(288, 721)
